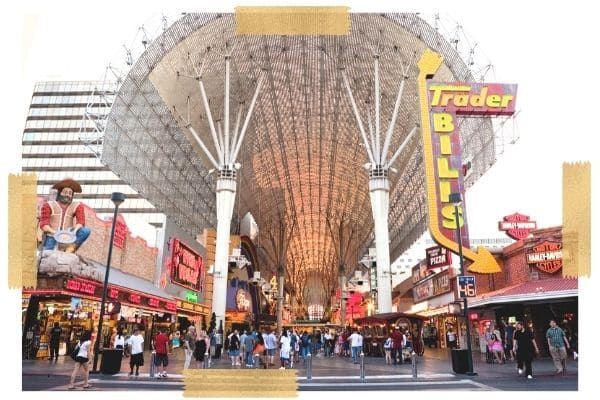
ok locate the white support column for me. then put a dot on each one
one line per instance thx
(280, 283)
(379, 190)
(226, 187)
(342, 278)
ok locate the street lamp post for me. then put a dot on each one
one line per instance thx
(456, 200)
(117, 198)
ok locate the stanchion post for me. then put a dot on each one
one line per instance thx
(309, 367)
(152, 360)
(362, 366)
(205, 366)
(257, 360)
(413, 359)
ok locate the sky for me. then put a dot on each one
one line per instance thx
(548, 49)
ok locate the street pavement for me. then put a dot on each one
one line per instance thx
(434, 372)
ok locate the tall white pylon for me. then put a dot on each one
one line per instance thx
(379, 183)
(227, 145)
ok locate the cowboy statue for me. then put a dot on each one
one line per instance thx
(63, 220)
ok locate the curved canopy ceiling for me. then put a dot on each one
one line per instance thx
(302, 172)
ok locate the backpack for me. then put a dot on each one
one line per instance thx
(75, 352)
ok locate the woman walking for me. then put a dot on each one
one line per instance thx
(82, 360)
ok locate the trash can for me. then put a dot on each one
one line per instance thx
(111, 361)
(460, 364)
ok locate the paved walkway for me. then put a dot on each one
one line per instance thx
(434, 368)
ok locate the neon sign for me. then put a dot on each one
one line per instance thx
(517, 226)
(187, 266)
(135, 298)
(81, 287)
(440, 103)
(546, 256)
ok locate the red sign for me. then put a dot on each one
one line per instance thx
(153, 302)
(546, 256)
(81, 287)
(171, 306)
(517, 226)
(187, 267)
(120, 233)
(135, 298)
(438, 256)
(113, 293)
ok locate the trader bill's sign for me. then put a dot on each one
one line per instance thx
(546, 256)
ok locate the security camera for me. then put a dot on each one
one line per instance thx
(254, 281)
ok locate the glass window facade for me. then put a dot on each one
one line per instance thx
(59, 139)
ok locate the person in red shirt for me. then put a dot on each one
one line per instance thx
(64, 214)
(161, 346)
(396, 346)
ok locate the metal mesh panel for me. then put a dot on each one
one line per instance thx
(301, 156)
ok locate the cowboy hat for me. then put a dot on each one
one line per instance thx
(70, 183)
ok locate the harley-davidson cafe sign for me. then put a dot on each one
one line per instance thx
(517, 226)
(546, 256)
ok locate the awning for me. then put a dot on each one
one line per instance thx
(543, 289)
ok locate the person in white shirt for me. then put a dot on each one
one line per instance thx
(82, 360)
(136, 343)
(119, 339)
(284, 354)
(356, 342)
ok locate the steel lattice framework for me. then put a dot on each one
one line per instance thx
(301, 158)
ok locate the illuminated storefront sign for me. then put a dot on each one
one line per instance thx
(440, 104)
(196, 308)
(113, 293)
(438, 284)
(242, 300)
(187, 266)
(191, 296)
(437, 257)
(546, 256)
(517, 226)
(135, 298)
(79, 286)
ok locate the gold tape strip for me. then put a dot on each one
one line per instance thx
(577, 200)
(292, 20)
(247, 383)
(22, 225)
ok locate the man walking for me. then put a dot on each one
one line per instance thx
(524, 345)
(189, 345)
(356, 342)
(556, 343)
(396, 346)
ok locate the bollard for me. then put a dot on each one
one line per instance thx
(309, 367)
(413, 358)
(205, 363)
(362, 366)
(152, 359)
(257, 360)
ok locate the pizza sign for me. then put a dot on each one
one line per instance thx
(517, 226)
(546, 256)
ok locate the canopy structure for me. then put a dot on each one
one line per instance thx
(301, 158)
